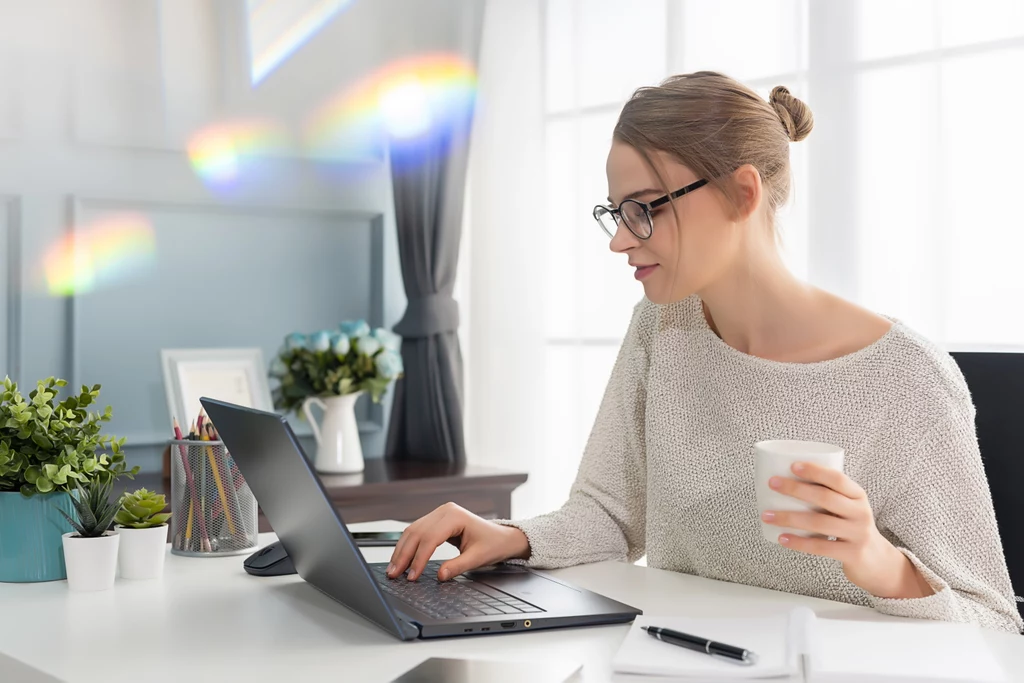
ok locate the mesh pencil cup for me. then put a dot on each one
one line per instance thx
(215, 513)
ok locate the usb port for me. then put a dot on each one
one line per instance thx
(508, 624)
(468, 630)
(486, 628)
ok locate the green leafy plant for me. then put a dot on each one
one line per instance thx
(47, 446)
(142, 509)
(95, 509)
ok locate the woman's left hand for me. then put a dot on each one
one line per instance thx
(869, 560)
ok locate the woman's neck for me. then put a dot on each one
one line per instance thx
(760, 308)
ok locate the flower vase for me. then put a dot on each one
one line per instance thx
(30, 536)
(339, 450)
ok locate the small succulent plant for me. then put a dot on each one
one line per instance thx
(142, 509)
(95, 509)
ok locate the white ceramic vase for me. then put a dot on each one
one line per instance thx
(91, 562)
(142, 552)
(339, 450)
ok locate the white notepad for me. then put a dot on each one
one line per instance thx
(799, 646)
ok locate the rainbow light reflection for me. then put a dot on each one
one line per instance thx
(269, 46)
(99, 254)
(404, 99)
(218, 153)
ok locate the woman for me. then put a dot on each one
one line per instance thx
(729, 348)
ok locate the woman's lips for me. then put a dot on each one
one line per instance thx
(644, 271)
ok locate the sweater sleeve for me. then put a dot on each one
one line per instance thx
(604, 517)
(942, 519)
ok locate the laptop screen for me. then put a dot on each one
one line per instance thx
(292, 497)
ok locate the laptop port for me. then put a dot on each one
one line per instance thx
(508, 624)
(486, 628)
(468, 630)
(527, 623)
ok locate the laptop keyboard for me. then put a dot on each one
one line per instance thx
(448, 599)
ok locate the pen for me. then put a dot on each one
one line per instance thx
(698, 644)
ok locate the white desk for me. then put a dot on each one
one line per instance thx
(207, 620)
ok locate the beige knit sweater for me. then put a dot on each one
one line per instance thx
(668, 470)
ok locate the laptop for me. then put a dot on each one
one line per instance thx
(499, 599)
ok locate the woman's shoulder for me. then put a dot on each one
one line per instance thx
(929, 375)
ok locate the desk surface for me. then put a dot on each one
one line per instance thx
(207, 620)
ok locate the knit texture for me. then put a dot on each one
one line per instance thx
(668, 470)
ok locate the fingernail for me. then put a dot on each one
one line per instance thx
(768, 515)
(442, 575)
(784, 540)
(798, 467)
(775, 482)
(391, 568)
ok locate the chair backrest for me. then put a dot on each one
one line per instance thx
(996, 382)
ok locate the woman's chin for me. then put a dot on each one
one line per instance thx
(662, 296)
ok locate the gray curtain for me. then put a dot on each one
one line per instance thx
(429, 179)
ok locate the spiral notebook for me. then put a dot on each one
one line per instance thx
(799, 646)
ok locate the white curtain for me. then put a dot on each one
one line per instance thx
(905, 194)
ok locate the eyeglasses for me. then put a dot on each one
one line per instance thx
(637, 215)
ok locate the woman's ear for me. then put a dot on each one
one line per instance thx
(748, 189)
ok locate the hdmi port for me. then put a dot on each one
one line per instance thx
(508, 624)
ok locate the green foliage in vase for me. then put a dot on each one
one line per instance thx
(48, 446)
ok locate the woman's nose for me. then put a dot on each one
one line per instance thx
(623, 239)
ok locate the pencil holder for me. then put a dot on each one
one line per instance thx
(215, 513)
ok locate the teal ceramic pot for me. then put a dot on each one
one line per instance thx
(30, 536)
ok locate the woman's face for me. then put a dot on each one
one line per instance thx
(681, 256)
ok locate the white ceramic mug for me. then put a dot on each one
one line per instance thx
(775, 459)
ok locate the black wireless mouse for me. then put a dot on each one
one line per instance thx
(272, 560)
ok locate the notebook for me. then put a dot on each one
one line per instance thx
(799, 646)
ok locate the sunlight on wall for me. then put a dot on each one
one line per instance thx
(103, 253)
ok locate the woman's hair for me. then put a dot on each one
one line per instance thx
(713, 125)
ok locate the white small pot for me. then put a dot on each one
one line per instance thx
(91, 562)
(339, 450)
(142, 552)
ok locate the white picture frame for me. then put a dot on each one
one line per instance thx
(233, 375)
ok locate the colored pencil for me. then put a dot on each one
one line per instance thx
(228, 473)
(220, 484)
(204, 538)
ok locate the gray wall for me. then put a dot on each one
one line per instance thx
(98, 99)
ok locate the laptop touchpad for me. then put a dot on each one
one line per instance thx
(524, 584)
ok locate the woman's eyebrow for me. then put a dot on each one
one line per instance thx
(638, 193)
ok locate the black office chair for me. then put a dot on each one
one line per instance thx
(996, 381)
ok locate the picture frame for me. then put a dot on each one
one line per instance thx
(233, 375)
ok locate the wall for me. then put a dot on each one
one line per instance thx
(98, 101)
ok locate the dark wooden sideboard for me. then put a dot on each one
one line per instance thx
(403, 491)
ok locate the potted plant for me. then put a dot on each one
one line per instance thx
(142, 526)
(46, 449)
(90, 551)
(332, 370)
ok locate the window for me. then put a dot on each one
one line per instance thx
(904, 197)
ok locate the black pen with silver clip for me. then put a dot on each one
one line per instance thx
(733, 654)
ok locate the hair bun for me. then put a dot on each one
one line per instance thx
(796, 116)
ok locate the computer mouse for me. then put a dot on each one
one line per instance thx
(272, 560)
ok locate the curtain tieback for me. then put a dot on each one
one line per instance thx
(429, 315)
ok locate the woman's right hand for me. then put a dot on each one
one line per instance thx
(480, 543)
